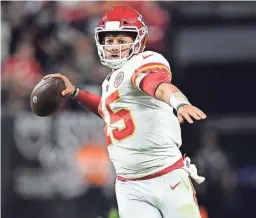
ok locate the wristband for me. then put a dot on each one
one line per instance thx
(75, 93)
(178, 99)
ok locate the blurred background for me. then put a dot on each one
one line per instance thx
(57, 167)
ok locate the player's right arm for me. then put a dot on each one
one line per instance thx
(86, 99)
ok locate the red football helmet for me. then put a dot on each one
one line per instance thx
(121, 19)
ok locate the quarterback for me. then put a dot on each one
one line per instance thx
(142, 133)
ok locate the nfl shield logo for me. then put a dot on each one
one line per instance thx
(119, 79)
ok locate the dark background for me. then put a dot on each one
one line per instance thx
(56, 167)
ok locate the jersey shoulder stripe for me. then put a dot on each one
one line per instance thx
(146, 69)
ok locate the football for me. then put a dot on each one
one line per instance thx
(46, 98)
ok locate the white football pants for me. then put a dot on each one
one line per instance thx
(169, 196)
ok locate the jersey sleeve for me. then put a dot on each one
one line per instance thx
(153, 71)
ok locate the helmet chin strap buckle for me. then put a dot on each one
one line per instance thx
(137, 49)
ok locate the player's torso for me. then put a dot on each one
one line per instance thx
(141, 131)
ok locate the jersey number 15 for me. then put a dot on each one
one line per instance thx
(124, 114)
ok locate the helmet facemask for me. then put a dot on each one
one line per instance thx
(135, 47)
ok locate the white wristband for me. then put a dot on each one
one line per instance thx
(75, 93)
(177, 99)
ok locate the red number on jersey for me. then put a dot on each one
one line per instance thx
(107, 137)
(115, 116)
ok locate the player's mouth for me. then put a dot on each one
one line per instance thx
(113, 56)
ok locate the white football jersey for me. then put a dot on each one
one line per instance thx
(143, 134)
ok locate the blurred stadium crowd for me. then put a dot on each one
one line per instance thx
(42, 37)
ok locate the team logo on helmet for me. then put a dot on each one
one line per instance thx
(119, 79)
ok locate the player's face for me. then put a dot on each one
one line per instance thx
(117, 46)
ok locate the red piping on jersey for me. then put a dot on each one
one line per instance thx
(146, 67)
(89, 101)
(169, 169)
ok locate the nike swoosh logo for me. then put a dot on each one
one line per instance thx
(175, 186)
(146, 56)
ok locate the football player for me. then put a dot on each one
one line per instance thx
(143, 134)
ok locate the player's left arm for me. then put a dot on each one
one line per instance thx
(170, 94)
(155, 79)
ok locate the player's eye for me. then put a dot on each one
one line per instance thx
(109, 41)
(121, 41)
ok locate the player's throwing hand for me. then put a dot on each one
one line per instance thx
(70, 88)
